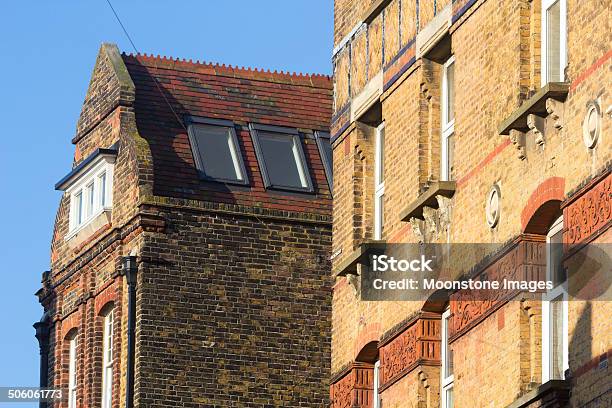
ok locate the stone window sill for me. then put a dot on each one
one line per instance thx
(535, 105)
(428, 199)
(359, 256)
(554, 393)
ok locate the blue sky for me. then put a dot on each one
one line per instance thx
(47, 53)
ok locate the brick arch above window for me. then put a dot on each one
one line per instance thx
(71, 323)
(543, 206)
(106, 299)
(369, 335)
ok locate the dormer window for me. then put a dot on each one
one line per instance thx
(89, 186)
(216, 150)
(281, 158)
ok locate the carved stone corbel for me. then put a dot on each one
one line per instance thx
(355, 282)
(555, 110)
(415, 223)
(536, 125)
(518, 140)
(444, 212)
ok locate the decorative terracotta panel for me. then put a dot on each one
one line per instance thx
(355, 388)
(525, 260)
(589, 213)
(418, 344)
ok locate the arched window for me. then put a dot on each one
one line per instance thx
(72, 370)
(555, 309)
(107, 359)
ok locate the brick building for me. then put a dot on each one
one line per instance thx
(471, 121)
(190, 255)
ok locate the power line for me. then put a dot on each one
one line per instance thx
(157, 84)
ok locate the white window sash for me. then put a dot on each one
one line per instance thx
(379, 188)
(546, 4)
(107, 359)
(72, 380)
(547, 300)
(446, 381)
(376, 385)
(448, 128)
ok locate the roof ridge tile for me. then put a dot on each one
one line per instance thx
(311, 79)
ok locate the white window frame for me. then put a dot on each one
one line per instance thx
(379, 182)
(72, 371)
(547, 298)
(448, 127)
(107, 360)
(376, 385)
(547, 4)
(91, 177)
(446, 381)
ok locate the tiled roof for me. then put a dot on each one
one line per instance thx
(238, 94)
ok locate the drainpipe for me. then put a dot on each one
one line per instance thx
(42, 335)
(130, 269)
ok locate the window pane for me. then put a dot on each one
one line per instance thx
(448, 360)
(282, 160)
(72, 374)
(555, 248)
(450, 92)
(327, 152)
(90, 199)
(381, 156)
(556, 338)
(103, 190)
(553, 42)
(449, 398)
(450, 148)
(79, 208)
(218, 154)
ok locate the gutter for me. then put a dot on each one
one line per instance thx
(130, 269)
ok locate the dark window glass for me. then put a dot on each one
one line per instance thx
(218, 154)
(325, 150)
(283, 161)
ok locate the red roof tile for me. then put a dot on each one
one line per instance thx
(231, 93)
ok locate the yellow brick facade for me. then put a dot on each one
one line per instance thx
(498, 57)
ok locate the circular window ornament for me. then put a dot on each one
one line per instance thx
(493, 206)
(591, 126)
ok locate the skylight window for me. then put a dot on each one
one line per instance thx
(281, 158)
(216, 150)
(325, 150)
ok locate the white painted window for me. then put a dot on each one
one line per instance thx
(107, 361)
(448, 119)
(72, 372)
(555, 309)
(376, 385)
(447, 364)
(379, 181)
(90, 196)
(554, 40)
